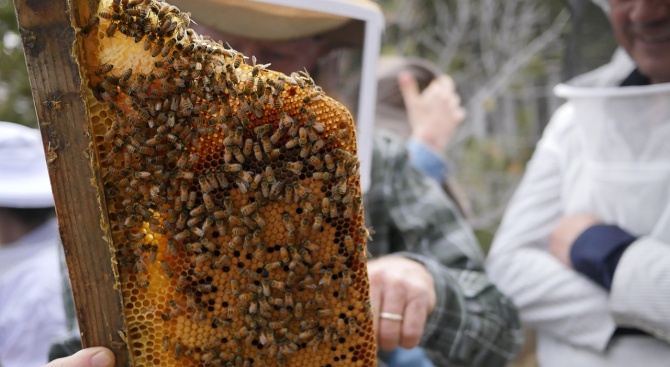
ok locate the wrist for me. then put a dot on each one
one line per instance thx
(430, 140)
(597, 250)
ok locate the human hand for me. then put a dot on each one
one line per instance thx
(566, 232)
(435, 113)
(89, 357)
(403, 287)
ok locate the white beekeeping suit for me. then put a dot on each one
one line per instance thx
(31, 306)
(606, 152)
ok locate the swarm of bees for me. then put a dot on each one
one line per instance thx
(234, 198)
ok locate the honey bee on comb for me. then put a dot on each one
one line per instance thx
(236, 237)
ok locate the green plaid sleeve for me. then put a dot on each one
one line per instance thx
(472, 324)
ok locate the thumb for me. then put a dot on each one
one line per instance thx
(89, 357)
(409, 87)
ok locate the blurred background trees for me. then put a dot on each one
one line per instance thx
(505, 56)
(16, 102)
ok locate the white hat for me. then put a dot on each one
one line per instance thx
(24, 178)
(264, 21)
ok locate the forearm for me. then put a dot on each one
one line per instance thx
(553, 299)
(472, 323)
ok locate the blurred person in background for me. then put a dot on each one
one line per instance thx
(427, 283)
(584, 247)
(419, 103)
(31, 307)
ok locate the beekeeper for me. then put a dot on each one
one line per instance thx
(31, 306)
(584, 247)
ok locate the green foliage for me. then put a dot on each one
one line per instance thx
(16, 102)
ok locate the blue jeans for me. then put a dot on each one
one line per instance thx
(409, 358)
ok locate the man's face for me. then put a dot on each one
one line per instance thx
(285, 56)
(642, 28)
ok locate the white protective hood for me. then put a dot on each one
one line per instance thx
(624, 147)
(623, 124)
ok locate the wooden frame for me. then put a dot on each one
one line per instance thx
(48, 29)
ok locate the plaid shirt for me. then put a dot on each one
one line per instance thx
(472, 324)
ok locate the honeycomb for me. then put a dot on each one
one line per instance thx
(233, 198)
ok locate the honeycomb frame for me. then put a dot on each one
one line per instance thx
(233, 199)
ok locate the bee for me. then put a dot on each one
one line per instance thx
(168, 46)
(267, 144)
(348, 211)
(205, 288)
(185, 175)
(328, 333)
(135, 236)
(221, 179)
(207, 358)
(283, 254)
(341, 327)
(258, 154)
(327, 278)
(194, 247)
(232, 167)
(302, 136)
(92, 23)
(167, 269)
(238, 154)
(142, 283)
(166, 343)
(265, 286)
(346, 278)
(185, 106)
(317, 267)
(227, 155)
(175, 308)
(265, 188)
(220, 227)
(330, 164)
(197, 211)
(234, 287)
(212, 181)
(153, 253)
(299, 189)
(245, 178)
(306, 206)
(237, 61)
(273, 265)
(304, 226)
(295, 167)
(181, 221)
(269, 174)
(107, 15)
(182, 235)
(203, 257)
(276, 189)
(172, 249)
(157, 48)
(265, 305)
(349, 244)
(313, 136)
(178, 350)
(279, 86)
(292, 143)
(286, 218)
